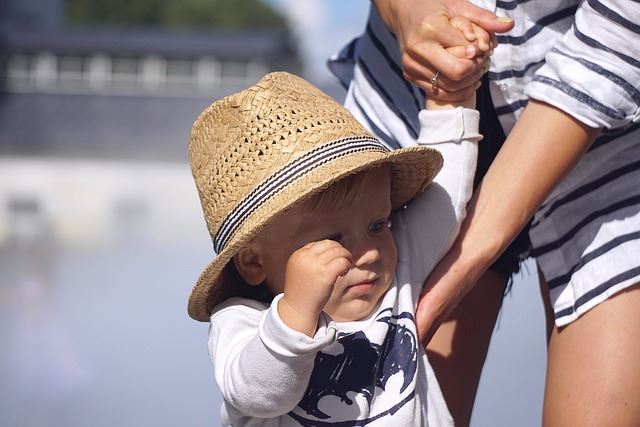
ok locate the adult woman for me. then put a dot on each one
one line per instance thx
(578, 63)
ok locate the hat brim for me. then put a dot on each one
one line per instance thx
(413, 168)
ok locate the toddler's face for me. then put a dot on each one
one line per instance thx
(361, 226)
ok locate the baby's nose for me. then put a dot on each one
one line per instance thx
(366, 253)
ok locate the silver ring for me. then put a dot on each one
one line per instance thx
(434, 80)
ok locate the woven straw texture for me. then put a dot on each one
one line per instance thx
(243, 140)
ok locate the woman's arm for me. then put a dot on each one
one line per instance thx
(589, 82)
(541, 149)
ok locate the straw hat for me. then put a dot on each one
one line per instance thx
(256, 153)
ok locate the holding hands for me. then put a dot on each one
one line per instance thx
(478, 52)
(444, 44)
(445, 47)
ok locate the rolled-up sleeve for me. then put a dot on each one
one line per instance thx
(593, 71)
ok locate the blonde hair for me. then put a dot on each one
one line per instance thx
(340, 193)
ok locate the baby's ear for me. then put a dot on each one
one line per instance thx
(249, 265)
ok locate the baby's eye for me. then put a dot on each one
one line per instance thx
(380, 226)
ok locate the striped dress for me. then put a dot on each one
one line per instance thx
(580, 56)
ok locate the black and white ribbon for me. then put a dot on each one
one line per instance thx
(279, 180)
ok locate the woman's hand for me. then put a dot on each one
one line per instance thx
(424, 32)
(452, 278)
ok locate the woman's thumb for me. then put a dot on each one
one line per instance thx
(487, 20)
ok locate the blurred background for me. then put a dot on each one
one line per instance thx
(101, 233)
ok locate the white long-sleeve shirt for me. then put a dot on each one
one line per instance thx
(373, 370)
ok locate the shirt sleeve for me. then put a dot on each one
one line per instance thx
(428, 225)
(262, 367)
(593, 71)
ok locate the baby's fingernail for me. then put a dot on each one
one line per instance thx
(483, 45)
(470, 51)
(504, 19)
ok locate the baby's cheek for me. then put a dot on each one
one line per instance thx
(391, 252)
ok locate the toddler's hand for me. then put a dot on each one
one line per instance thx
(310, 276)
(479, 51)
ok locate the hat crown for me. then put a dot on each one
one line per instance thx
(241, 140)
(257, 153)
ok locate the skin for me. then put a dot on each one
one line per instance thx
(607, 396)
(582, 387)
(340, 260)
(458, 348)
(424, 34)
(597, 387)
(326, 259)
(456, 38)
(508, 196)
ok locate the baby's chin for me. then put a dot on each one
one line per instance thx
(354, 311)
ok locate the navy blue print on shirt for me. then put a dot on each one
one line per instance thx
(361, 368)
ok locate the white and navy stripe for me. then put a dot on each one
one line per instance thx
(586, 236)
(283, 177)
(582, 56)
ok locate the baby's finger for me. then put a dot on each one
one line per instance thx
(318, 247)
(483, 38)
(482, 62)
(494, 41)
(335, 261)
(327, 250)
(465, 26)
(339, 266)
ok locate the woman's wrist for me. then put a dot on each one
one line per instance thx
(480, 240)
(469, 260)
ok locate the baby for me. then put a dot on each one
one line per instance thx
(311, 296)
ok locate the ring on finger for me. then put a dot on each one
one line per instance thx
(434, 80)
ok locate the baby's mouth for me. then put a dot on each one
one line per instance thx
(363, 286)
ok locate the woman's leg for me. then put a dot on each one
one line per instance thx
(593, 368)
(546, 302)
(458, 349)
